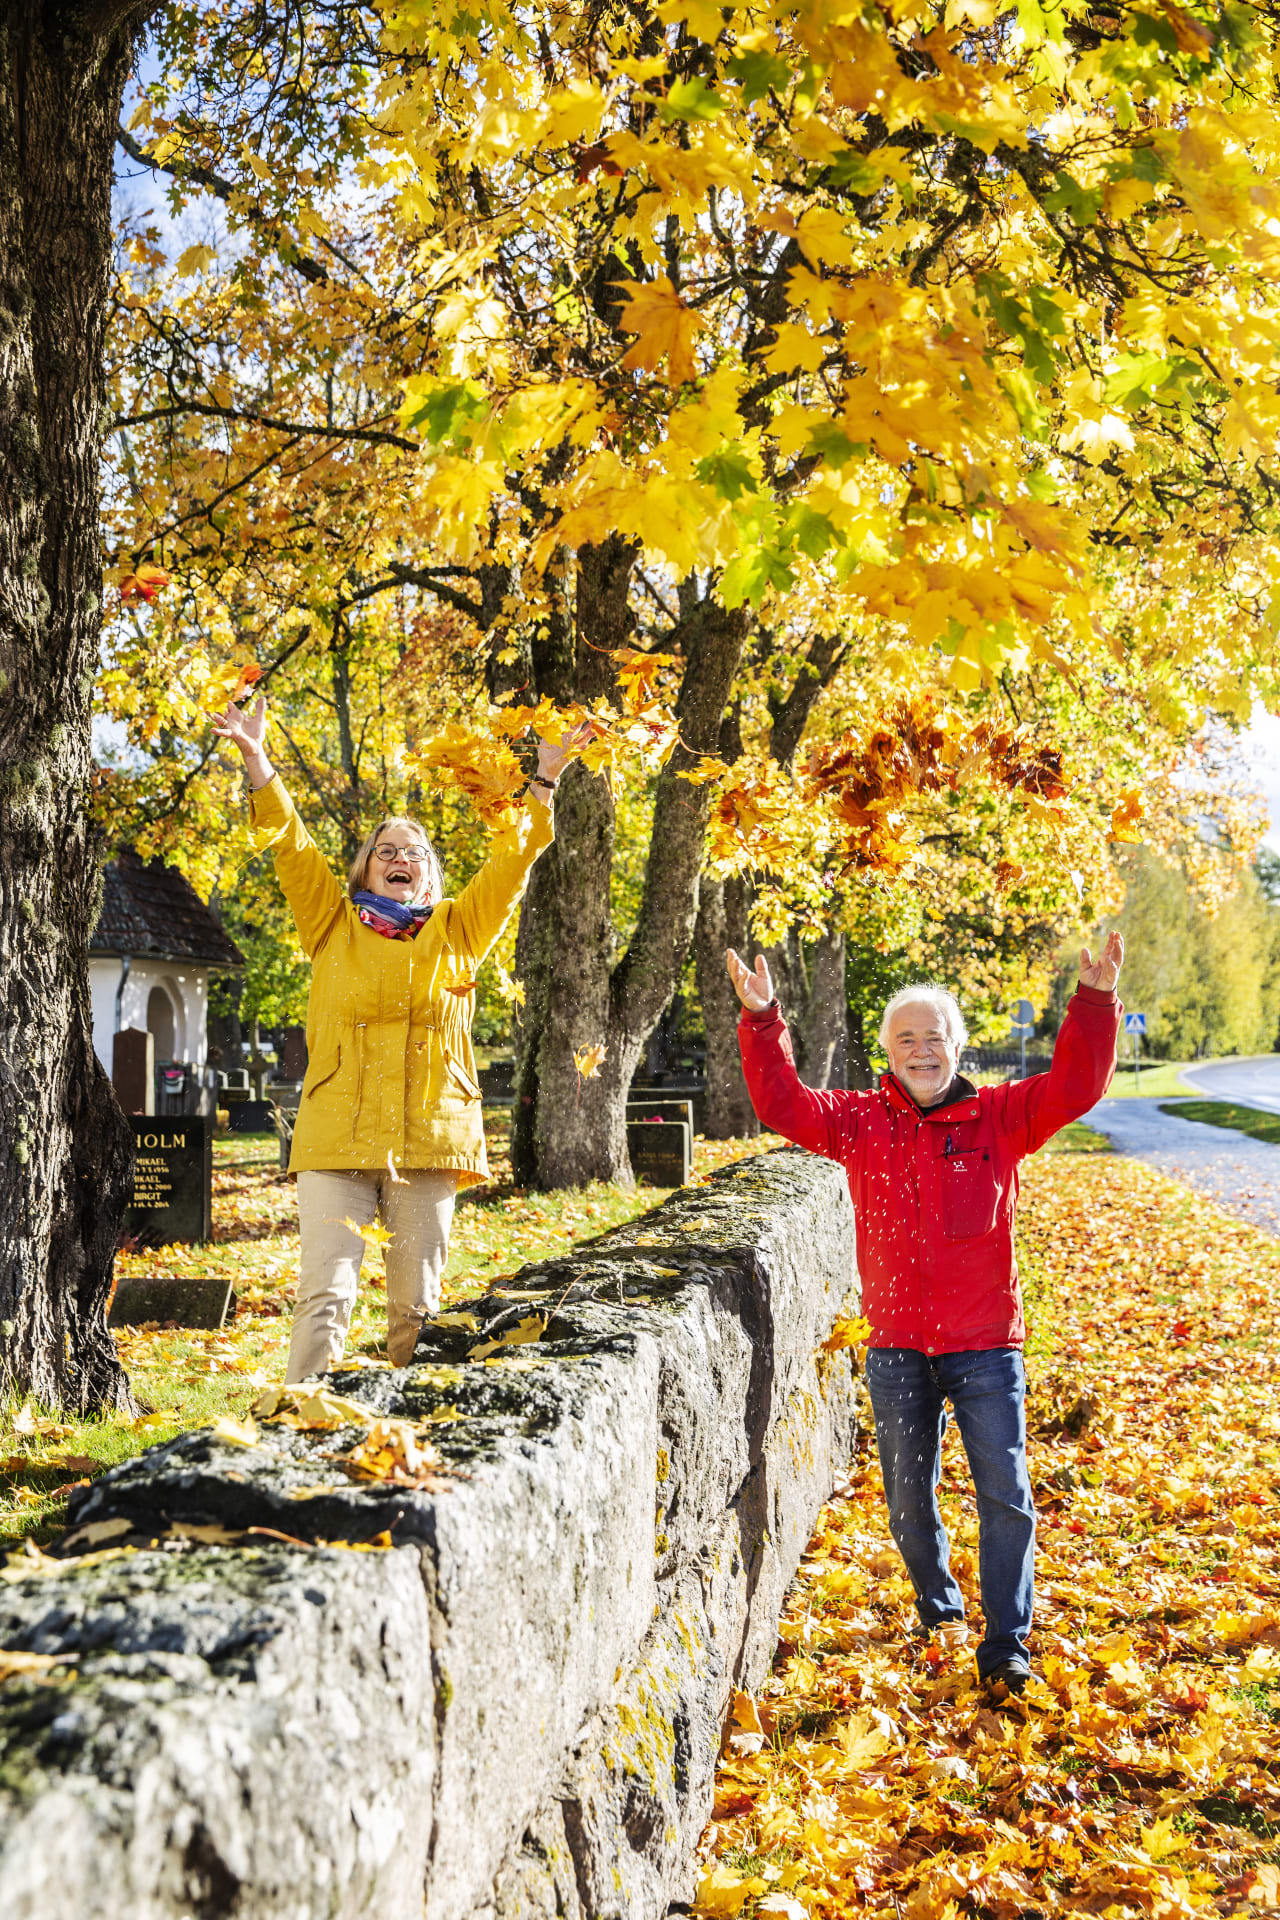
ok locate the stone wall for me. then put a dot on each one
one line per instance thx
(516, 1704)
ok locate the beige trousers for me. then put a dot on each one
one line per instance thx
(417, 1211)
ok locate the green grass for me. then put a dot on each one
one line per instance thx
(1077, 1138)
(1157, 1081)
(1225, 1113)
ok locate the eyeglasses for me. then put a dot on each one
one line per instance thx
(385, 852)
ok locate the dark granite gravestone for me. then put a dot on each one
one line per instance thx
(133, 1073)
(293, 1064)
(172, 1181)
(190, 1302)
(252, 1116)
(659, 1151)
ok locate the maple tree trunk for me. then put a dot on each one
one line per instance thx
(579, 991)
(825, 1018)
(64, 1176)
(723, 907)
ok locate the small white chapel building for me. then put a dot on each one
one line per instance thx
(150, 960)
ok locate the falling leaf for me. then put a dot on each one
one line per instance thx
(461, 987)
(1126, 816)
(225, 688)
(588, 1061)
(142, 584)
(852, 1330)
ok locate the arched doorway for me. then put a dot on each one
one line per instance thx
(160, 1022)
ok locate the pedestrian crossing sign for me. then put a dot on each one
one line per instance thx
(1135, 1023)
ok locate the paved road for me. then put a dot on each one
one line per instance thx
(1240, 1174)
(1254, 1082)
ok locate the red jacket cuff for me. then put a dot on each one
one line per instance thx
(761, 1019)
(1096, 996)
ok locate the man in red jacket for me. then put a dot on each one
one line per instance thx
(933, 1171)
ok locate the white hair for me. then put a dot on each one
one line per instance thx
(944, 1004)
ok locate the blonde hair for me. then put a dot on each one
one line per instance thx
(432, 881)
(944, 1004)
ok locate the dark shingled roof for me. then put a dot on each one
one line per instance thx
(148, 908)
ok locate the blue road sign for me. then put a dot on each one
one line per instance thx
(1135, 1023)
(1024, 1017)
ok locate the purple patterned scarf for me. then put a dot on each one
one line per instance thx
(388, 917)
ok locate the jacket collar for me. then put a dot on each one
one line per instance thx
(898, 1097)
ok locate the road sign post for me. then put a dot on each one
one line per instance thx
(1023, 1023)
(1136, 1024)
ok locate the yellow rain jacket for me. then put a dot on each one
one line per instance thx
(389, 1021)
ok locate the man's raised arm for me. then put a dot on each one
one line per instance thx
(825, 1123)
(1084, 1056)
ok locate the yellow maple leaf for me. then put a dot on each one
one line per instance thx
(374, 1235)
(523, 1334)
(1126, 814)
(722, 1891)
(236, 1433)
(229, 684)
(667, 328)
(849, 1331)
(587, 1060)
(1161, 1840)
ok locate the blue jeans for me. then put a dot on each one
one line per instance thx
(987, 1390)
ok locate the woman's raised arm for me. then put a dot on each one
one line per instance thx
(314, 896)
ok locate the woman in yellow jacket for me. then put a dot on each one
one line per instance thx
(389, 1122)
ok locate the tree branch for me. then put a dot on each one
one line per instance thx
(297, 429)
(198, 176)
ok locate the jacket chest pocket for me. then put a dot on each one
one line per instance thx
(968, 1193)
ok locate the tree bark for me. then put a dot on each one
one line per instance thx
(723, 910)
(64, 1178)
(579, 991)
(825, 1018)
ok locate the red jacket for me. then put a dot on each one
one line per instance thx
(934, 1190)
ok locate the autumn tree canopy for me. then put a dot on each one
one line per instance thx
(846, 357)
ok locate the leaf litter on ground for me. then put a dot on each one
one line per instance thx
(1140, 1773)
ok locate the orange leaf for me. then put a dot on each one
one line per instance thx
(144, 584)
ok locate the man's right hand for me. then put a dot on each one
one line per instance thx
(753, 987)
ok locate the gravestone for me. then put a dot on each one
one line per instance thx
(252, 1116)
(668, 1109)
(293, 1064)
(133, 1069)
(190, 1301)
(497, 1083)
(172, 1181)
(659, 1151)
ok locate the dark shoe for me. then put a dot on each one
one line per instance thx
(1010, 1675)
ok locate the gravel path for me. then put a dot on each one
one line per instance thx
(1240, 1174)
